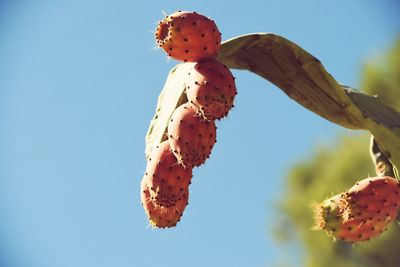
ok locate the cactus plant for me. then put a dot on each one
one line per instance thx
(304, 79)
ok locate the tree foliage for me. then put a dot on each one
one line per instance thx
(332, 169)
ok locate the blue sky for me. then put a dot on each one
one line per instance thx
(79, 82)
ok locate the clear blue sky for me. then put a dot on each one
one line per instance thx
(79, 81)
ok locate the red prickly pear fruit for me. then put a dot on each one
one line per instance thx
(190, 136)
(211, 87)
(188, 36)
(372, 197)
(329, 217)
(168, 181)
(161, 216)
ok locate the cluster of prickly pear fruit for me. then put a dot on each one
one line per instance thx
(191, 37)
(210, 89)
(362, 212)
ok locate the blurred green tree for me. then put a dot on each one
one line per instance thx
(332, 169)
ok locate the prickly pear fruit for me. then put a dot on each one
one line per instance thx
(167, 179)
(188, 36)
(371, 197)
(329, 216)
(190, 136)
(162, 216)
(211, 87)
